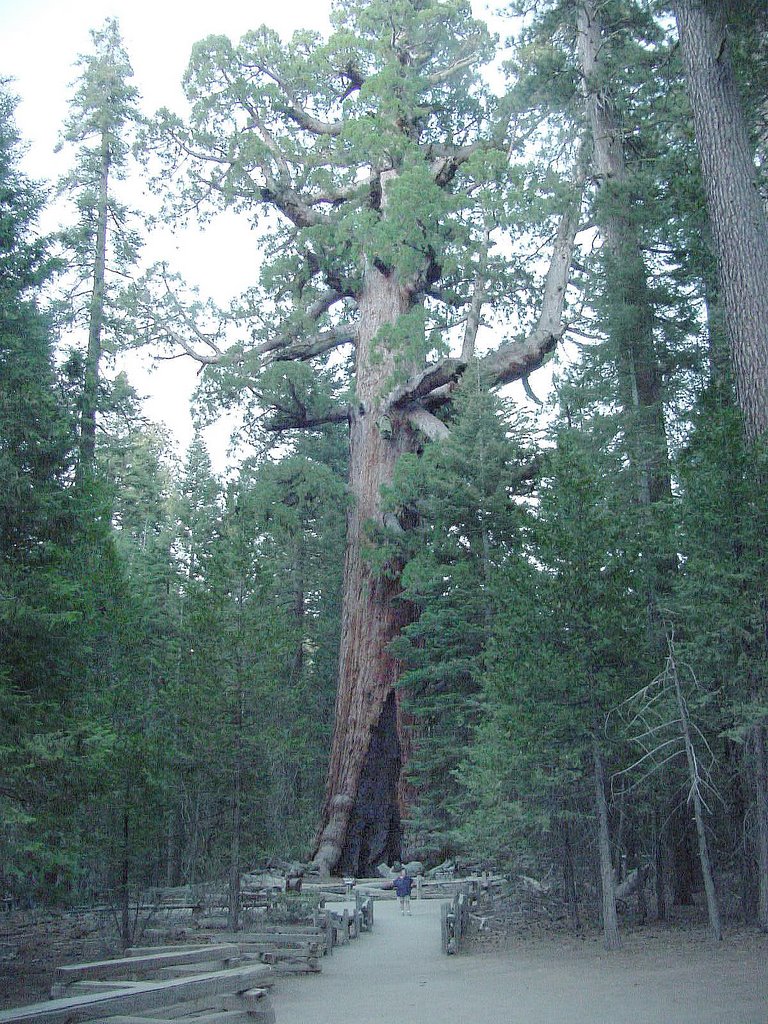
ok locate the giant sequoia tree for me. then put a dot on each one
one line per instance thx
(378, 162)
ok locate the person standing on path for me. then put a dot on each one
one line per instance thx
(403, 885)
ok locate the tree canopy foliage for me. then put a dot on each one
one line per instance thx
(426, 616)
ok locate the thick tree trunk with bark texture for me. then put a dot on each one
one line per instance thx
(736, 210)
(361, 821)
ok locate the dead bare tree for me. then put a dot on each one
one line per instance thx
(658, 720)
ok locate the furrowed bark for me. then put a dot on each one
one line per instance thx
(736, 209)
(361, 819)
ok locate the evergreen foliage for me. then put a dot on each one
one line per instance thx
(463, 497)
(170, 639)
(101, 246)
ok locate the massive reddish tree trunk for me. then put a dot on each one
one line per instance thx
(367, 790)
(361, 820)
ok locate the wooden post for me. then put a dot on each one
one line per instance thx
(444, 926)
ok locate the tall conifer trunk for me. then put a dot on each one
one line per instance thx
(631, 313)
(611, 937)
(740, 231)
(90, 397)
(739, 228)
(361, 821)
(736, 208)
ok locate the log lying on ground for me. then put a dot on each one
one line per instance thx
(300, 947)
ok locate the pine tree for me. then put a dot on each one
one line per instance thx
(103, 112)
(462, 497)
(568, 637)
(38, 523)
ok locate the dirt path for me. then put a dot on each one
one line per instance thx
(398, 975)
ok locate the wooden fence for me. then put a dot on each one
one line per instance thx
(226, 979)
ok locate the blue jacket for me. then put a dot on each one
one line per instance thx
(403, 886)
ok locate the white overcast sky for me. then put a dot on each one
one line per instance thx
(40, 41)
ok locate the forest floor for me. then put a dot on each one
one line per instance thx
(398, 973)
(661, 976)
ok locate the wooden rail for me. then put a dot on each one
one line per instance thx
(228, 975)
(137, 965)
(137, 998)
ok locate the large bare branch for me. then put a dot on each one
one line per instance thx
(288, 201)
(445, 73)
(429, 425)
(447, 161)
(517, 359)
(512, 360)
(424, 383)
(165, 334)
(310, 123)
(474, 314)
(296, 419)
(294, 109)
(323, 303)
(305, 348)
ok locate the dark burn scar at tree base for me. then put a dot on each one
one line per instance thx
(373, 835)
